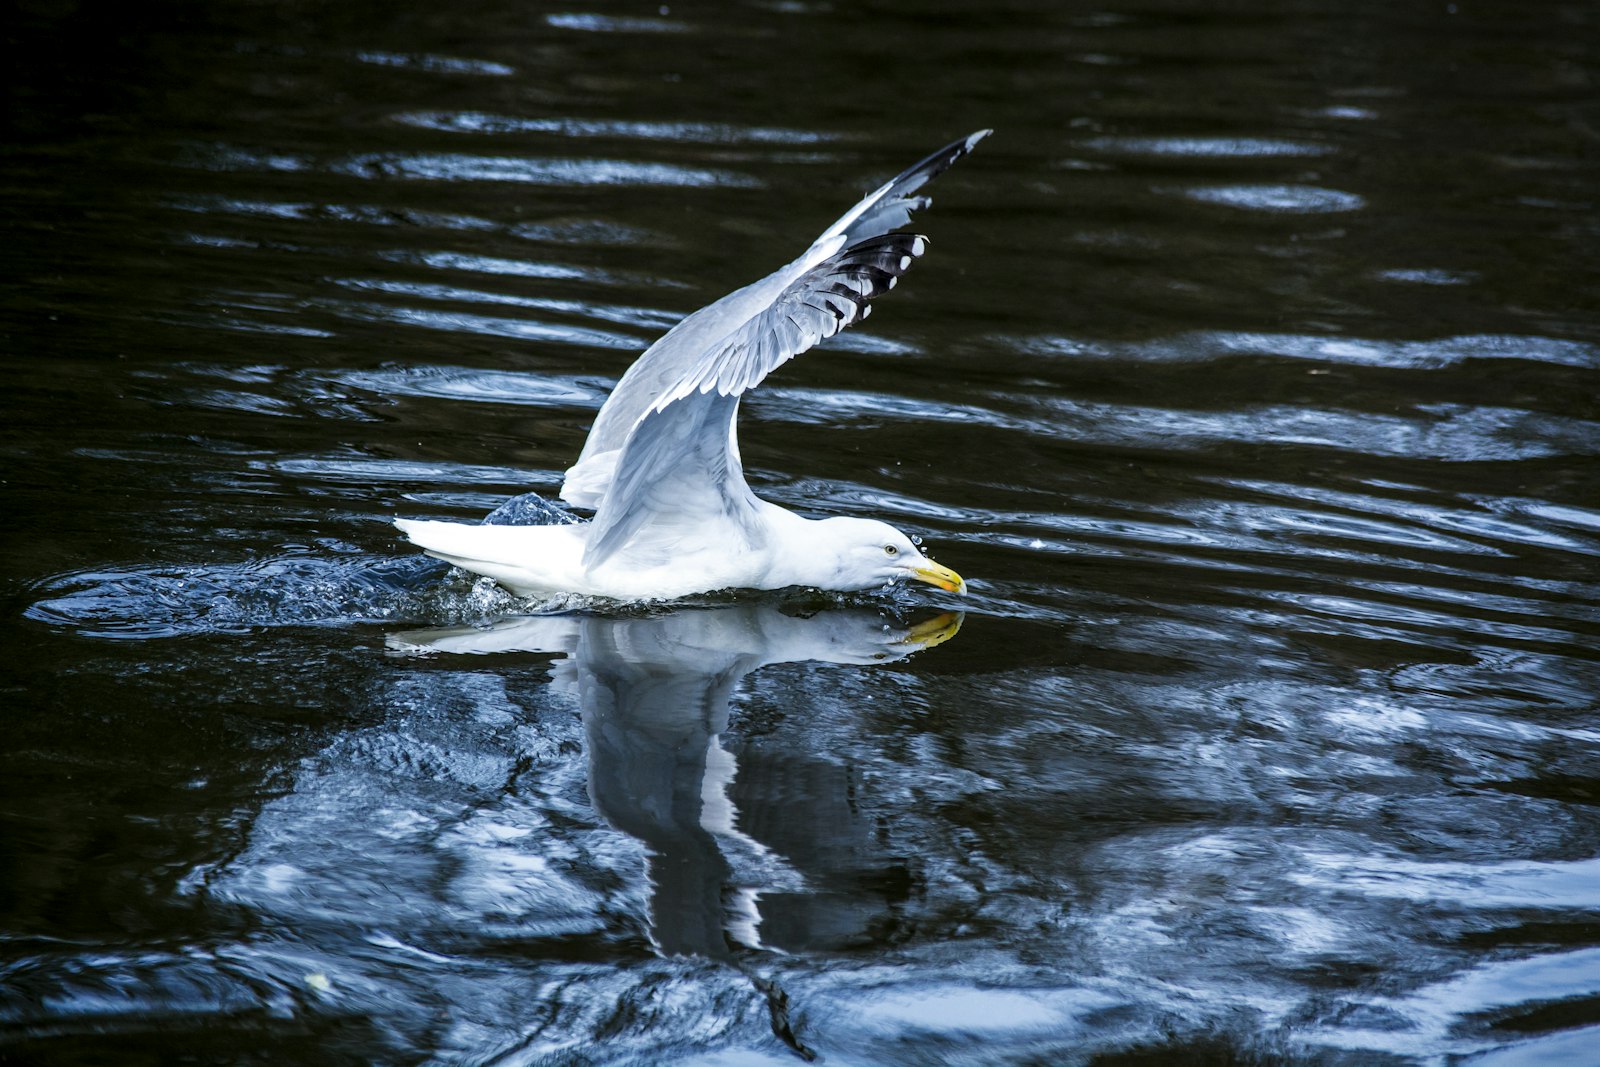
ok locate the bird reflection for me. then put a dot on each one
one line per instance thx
(655, 694)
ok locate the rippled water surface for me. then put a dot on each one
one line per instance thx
(1252, 379)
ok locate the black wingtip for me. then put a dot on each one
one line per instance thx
(891, 205)
(936, 163)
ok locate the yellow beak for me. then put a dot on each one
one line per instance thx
(943, 577)
(934, 631)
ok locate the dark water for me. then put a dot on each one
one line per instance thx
(1252, 381)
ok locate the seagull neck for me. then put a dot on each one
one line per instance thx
(799, 551)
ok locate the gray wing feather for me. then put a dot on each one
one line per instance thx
(677, 470)
(821, 302)
(680, 353)
(671, 417)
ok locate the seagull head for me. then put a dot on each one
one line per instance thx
(869, 554)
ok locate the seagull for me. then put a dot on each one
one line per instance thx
(673, 515)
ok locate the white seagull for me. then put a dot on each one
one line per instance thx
(673, 515)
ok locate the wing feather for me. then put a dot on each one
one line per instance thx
(663, 453)
(821, 302)
(679, 353)
(679, 475)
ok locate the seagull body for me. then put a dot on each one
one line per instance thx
(661, 469)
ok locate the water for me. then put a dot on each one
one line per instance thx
(1251, 380)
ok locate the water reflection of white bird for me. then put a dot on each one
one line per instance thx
(661, 468)
(655, 694)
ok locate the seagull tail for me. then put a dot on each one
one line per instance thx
(890, 207)
(525, 559)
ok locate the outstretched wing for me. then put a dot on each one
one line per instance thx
(676, 472)
(733, 343)
(679, 467)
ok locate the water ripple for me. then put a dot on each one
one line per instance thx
(521, 329)
(363, 470)
(694, 132)
(1430, 354)
(520, 268)
(436, 64)
(141, 602)
(1519, 886)
(464, 383)
(1277, 199)
(594, 23)
(364, 214)
(1210, 147)
(532, 170)
(1453, 433)
(1404, 522)
(644, 318)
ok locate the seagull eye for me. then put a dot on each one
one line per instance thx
(890, 550)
